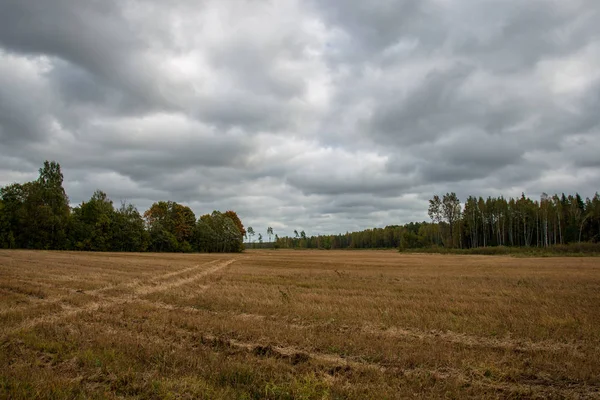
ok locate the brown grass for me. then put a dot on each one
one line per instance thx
(298, 324)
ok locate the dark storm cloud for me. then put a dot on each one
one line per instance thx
(523, 33)
(94, 36)
(371, 29)
(322, 116)
(423, 114)
(328, 185)
(502, 35)
(19, 121)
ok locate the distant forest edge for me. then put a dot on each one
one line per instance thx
(556, 224)
(37, 215)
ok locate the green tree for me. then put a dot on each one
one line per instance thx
(15, 215)
(158, 224)
(37, 213)
(171, 226)
(595, 210)
(435, 212)
(91, 225)
(7, 240)
(451, 212)
(206, 238)
(129, 232)
(55, 204)
(236, 220)
(218, 233)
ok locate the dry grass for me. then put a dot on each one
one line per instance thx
(304, 324)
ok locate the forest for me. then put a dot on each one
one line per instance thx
(37, 215)
(496, 221)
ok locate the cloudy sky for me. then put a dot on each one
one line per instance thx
(325, 116)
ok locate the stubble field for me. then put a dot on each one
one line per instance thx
(297, 324)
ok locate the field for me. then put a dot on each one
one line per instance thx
(298, 324)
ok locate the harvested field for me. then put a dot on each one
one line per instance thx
(298, 324)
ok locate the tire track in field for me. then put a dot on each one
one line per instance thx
(125, 285)
(339, 365)
(474, 341)
(180, 282)
(111, 300)
(154, 280)
(519, 345)
(295, 356)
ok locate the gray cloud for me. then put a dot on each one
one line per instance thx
(321, 116)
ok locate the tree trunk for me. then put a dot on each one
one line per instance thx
(559, 229)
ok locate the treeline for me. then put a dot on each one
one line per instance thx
(411, 235)
(478, 223)
(496, 221)
(37, 215)
(388, 237)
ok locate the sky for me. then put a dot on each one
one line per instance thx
(323, 116)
